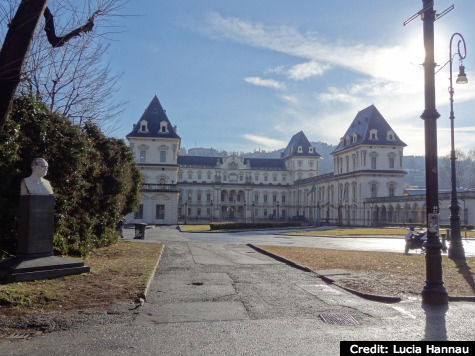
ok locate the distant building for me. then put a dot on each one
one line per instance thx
(365, 188)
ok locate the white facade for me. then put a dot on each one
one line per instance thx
(365, 188)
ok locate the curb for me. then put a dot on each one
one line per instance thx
(150, 279)
(461, 298)
(347, 236)
(373, 297)
(280, 259)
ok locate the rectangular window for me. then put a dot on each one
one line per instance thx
(163, 156)
(265, 198)
(208, 197)
(274, 198)
(391, 162)
(139, 213)
(373, 162)
(143, 156)
(160, 211)
(283, 199)
(198, 212)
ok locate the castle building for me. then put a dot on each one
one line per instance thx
(365, 188)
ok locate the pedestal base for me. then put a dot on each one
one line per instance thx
(19, 269)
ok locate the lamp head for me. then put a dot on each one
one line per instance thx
(462, 77)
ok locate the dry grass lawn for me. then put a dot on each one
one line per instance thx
(351, 232)
(194, 228)
(382, 273)
(118, 273)
(367, 232)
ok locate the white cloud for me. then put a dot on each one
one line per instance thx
(335, 95)
(291, 99)
(268, 83)
(306, 70)
(266, 142)
(390, 77)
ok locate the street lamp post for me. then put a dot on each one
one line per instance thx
(456, 250)
(434, 291)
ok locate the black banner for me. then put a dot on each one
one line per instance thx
(399, 348)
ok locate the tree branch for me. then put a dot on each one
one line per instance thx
(56, 41)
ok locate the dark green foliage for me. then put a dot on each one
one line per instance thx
(94, 177)
(259, 225)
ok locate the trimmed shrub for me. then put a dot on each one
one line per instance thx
(94, 178)
(260, 225)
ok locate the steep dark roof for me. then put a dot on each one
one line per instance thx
(200, 161)
(299, 139)
(366, 120)
(153, 114)
(266, 163)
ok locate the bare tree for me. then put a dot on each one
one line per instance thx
(464, 170)
(60, 78)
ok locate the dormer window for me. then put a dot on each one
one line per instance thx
(163, 127)
(310, 149)
(143, 126)
(347, 140)
(390, 136)
(299, 149)
(373, 134)
(354, 137)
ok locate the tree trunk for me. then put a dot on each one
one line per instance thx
(14, 50)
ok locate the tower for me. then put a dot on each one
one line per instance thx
(155, 145)
(300, 157)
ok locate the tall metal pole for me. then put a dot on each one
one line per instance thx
(456, 250)
(434, 291)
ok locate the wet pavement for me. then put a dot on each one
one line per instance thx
(220, 297)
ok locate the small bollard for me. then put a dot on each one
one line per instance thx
(140, 231)
(444, 242)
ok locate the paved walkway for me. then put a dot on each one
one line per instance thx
(216, 299)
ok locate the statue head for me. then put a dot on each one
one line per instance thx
(39, 167)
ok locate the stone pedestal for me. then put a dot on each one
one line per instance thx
(36, 228)
(35, 258)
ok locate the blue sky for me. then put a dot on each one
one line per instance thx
(243, 75)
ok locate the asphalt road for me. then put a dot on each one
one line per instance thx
(211, 298)
(273, 237)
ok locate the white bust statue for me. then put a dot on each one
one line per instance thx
(36, 184)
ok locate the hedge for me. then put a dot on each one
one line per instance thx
(260, 225)
(94, 177)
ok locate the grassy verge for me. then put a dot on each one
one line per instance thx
(357, 231)
(194, 228)
(118, 273)
(383, 273)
